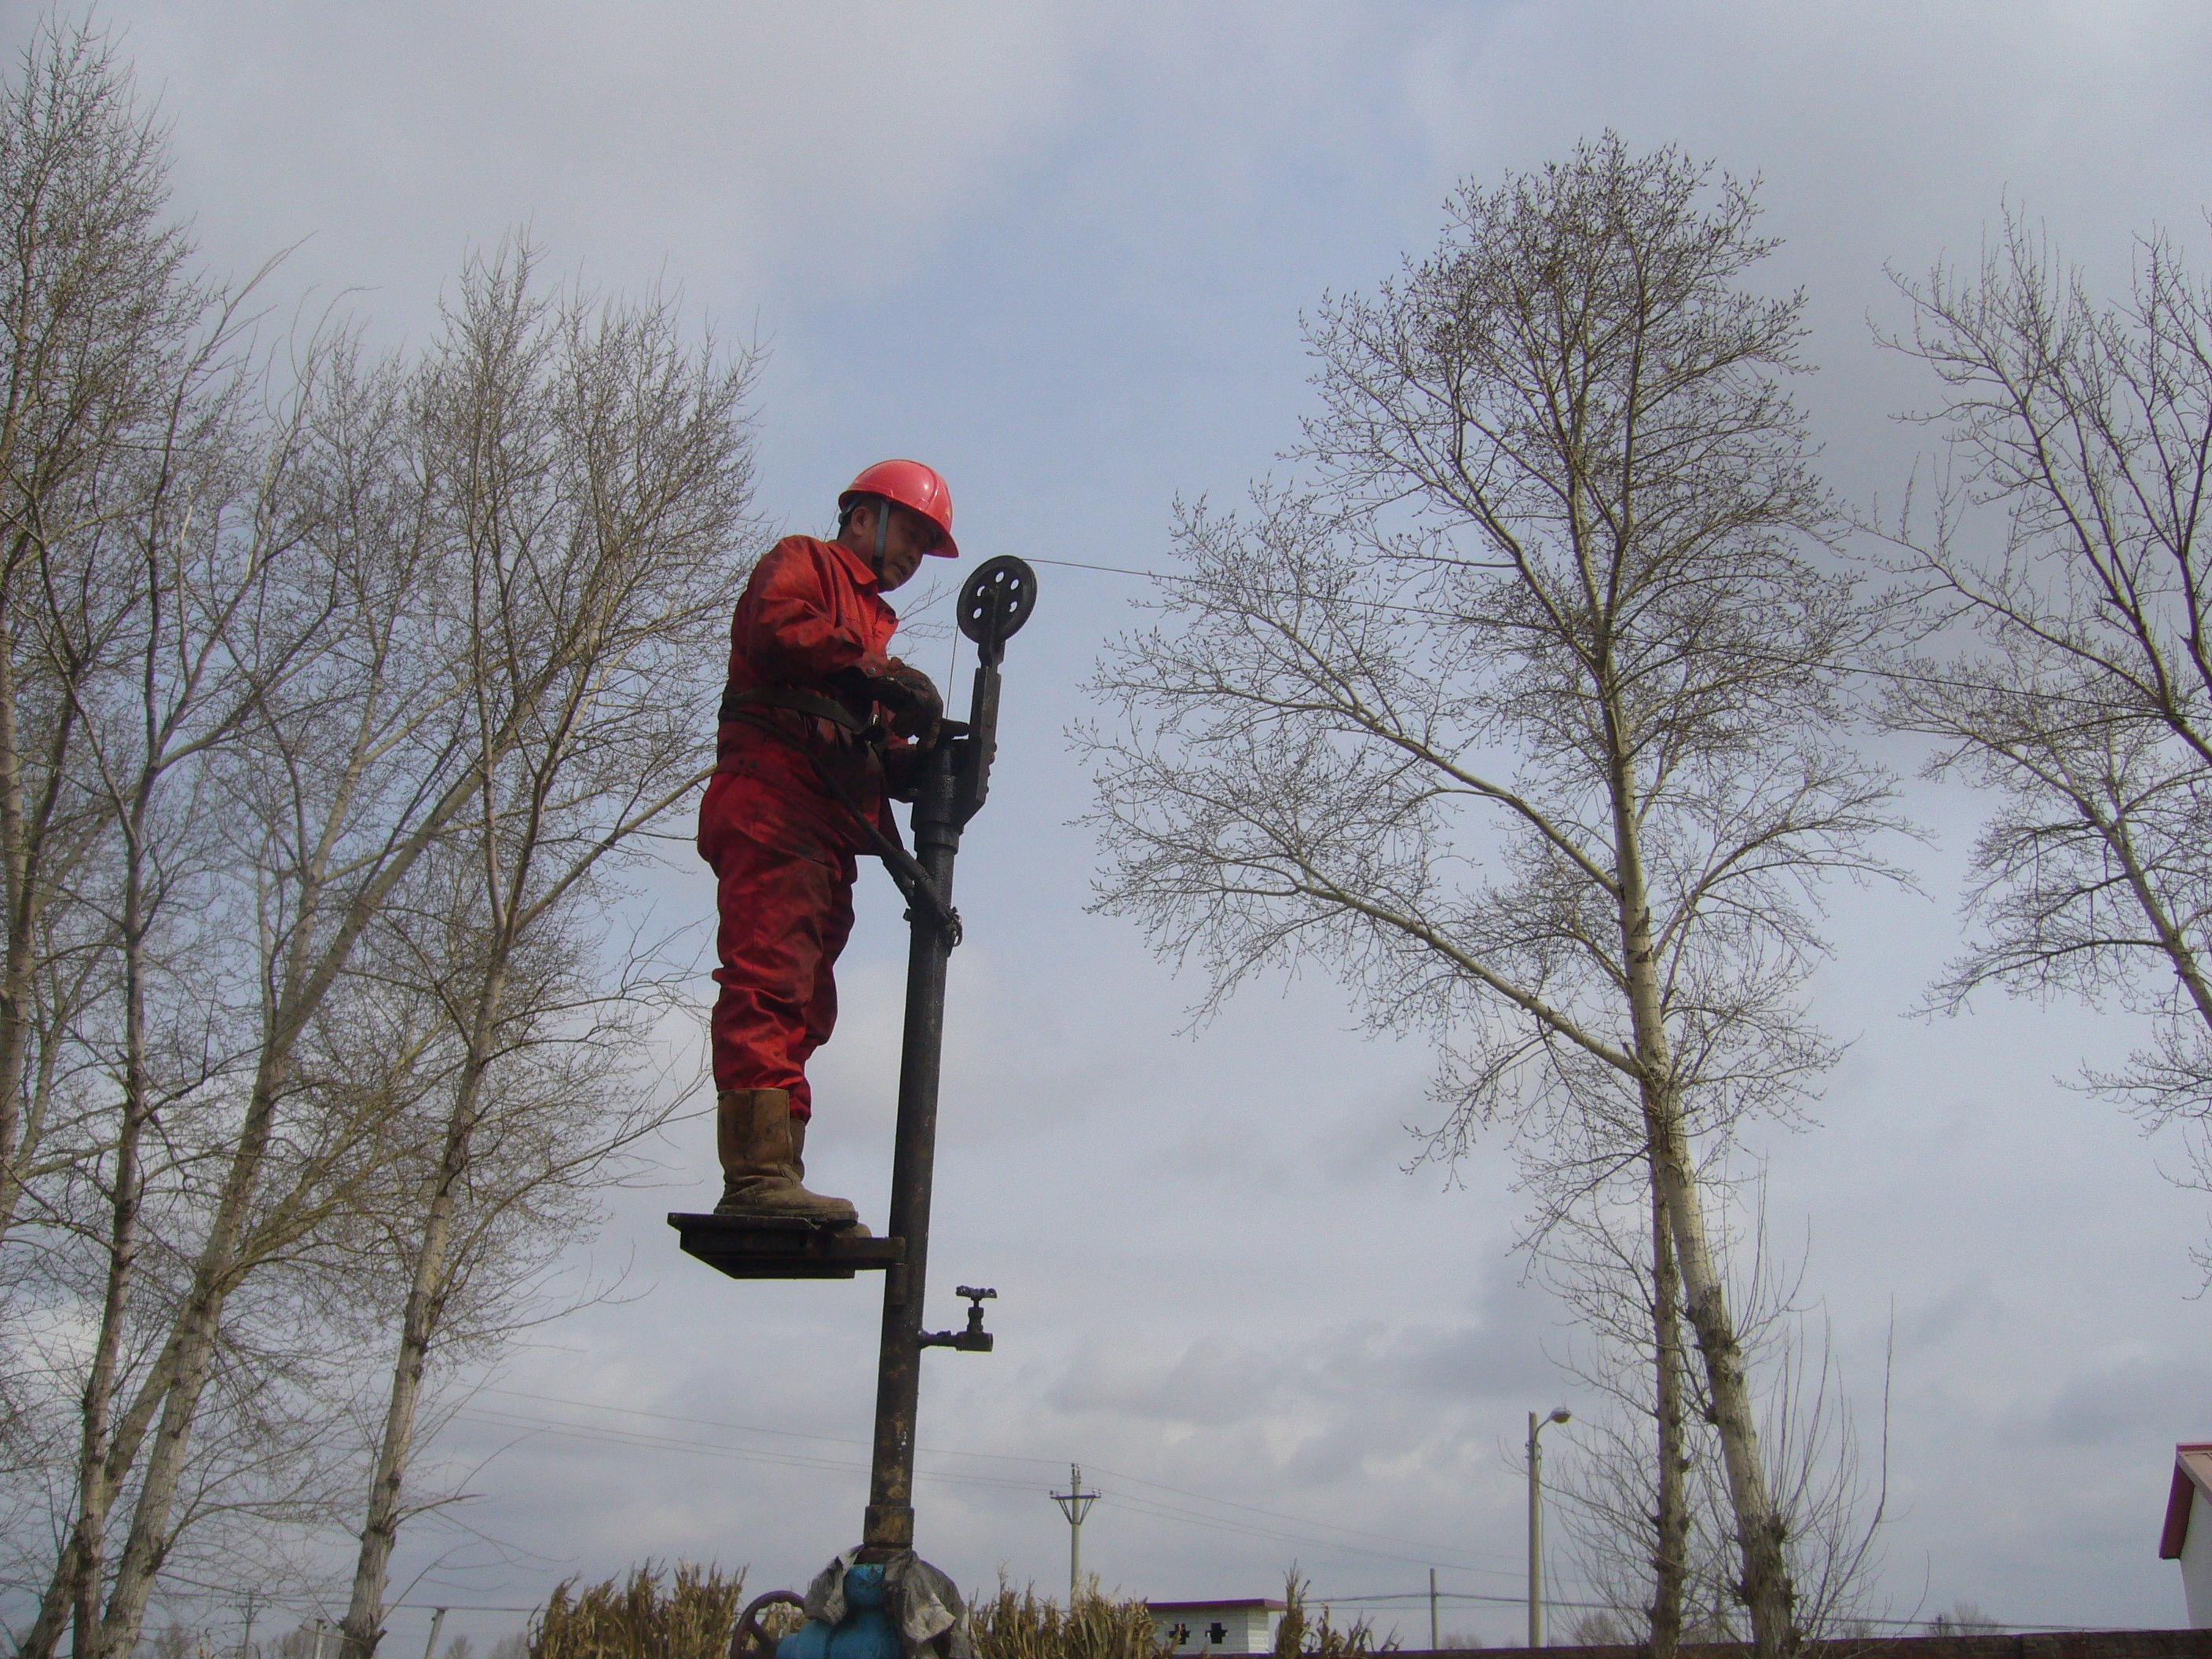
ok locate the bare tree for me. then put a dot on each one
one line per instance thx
(197, 618)
(146, 622)
(349, 766)
(593, 474)
(105, 340)
(2063, 658)
(1524, 718)
(332, 703)
(1963, 1617)
(367, 757)
(1647, 1503)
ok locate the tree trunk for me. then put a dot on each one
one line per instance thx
(1767, 1592)
(14, 974)
(191, 1347)
(73, 1594)
(363, 1626)
(1670, 1551)
(308, 974)
(96, 1490)
(27, 883)
(2170, 938)
(55, 1607)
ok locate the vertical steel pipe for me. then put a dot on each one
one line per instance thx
(889, 1522)
(994, 604)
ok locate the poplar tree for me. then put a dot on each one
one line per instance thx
(1523, 714)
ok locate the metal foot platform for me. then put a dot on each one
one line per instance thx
(776, 1247)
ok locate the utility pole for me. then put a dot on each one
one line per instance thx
(245, 1641)
(1559, 1415)
(1435, 1642)
(1074, 1504)
(430, 1647)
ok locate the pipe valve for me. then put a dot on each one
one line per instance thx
(975, 1339)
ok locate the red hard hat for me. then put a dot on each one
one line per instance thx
(913, 485)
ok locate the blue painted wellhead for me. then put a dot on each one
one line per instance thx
(865, 1632)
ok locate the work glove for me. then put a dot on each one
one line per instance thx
(923, 708)
(908, 694)
(911, 697)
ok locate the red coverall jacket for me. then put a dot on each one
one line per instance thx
(781, 845)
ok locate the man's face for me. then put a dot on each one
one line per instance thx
(911, 536)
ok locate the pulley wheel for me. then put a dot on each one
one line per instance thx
(997, 600)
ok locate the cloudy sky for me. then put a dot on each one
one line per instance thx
(1060, 250)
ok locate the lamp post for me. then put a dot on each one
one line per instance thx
(1074, 1504)
(1559, 1415)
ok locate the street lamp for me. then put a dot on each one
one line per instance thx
(1559, 1415)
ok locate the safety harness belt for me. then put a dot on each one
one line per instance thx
(734, 698)
(906, 871)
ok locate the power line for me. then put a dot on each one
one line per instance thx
(1151, 1508)
(1430, 1550)
(1366, 1599)
(1133, 1501)
(1271, 592)
(456, 1607)
(257, 1597)
(618, 1436)
(1169, 576)
(1517, 1600)
(751, 1428)
(1156, 1511)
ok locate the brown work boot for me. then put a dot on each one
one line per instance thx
(760, 1143)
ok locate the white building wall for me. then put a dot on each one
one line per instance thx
(1259, 1626)
(2196, 1560)
(1243, 1630)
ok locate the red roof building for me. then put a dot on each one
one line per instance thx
(2187, 1535)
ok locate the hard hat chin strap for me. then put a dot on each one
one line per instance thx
(883, 532)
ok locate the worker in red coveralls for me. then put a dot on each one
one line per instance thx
(819, 730)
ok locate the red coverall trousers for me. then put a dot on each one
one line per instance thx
(781, 846)
(783, 917)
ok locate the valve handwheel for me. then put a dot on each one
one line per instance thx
(749, 1641)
